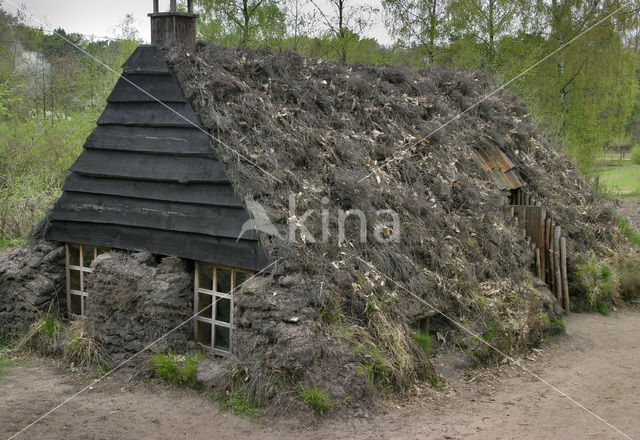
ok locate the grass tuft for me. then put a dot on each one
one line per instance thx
(81, 349)
(239, 403)
(558, 325)
(316, 399)
(603, 308)
(175, 369)
(628, 231)
(423, 340)
(377, 370)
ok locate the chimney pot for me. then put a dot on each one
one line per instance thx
(173, 27)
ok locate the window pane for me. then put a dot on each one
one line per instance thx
(223, 280)
(222, 338)
(204, 303)
(241, 277)
(74, 255)
(87, 256)
(205, 276)
(223, 310)
(203, 333)
(76, 307)
(74, 279)
(101, 250)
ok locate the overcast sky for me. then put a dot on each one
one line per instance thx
(100, 17)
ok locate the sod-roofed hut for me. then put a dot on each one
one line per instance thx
(352, 185)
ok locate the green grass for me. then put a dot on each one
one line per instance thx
(376, 371)
(558, 325)
(316, 399)
(239, 403)
(623, 180)
(170, 367)
(628, 231)
(603, 308)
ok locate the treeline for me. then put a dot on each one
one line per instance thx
(586, 95)
(51, 95)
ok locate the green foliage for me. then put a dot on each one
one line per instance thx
(635, 155)
(242, 23)
(558, 325)
(602, 307)
(176, 369)
(376, 371)
(239, 403)
(595, 285)
(629, 277)
(50, 328)
(50, 99)
(316, 399)
(628, 231)
(423, 340)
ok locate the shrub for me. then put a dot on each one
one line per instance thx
(176, 369)
(596, 284)
(629, 278)
(635, 155)
(81, 349)
(239, 403)
(316, 399)
(424, 341)
(42, 336)
(376, 371)
(557, 326)
(628, 231)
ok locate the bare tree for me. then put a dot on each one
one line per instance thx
(345, 22)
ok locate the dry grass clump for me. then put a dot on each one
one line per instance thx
(43, 336)
(80, 349)
(51, 337)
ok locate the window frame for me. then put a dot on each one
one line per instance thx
(210, 317)
(82, 270)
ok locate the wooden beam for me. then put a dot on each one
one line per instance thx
(558, 272)
(563, 268)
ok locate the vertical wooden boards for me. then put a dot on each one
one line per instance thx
(558, 275)
(563, 269)
(547, 250)
(548, 246)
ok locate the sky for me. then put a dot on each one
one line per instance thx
(100, 17)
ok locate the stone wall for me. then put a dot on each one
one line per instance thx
(32, 283)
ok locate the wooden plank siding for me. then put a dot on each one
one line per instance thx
(149, 180)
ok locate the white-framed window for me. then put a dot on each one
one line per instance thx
(213, 304)
(78, 265)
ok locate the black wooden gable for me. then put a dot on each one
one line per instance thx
(147, 179)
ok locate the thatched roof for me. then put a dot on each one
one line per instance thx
(323, 130)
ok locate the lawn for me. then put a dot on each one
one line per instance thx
(623, 180)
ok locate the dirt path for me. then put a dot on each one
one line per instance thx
(597, 363)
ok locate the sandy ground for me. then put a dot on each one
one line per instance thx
(597, 363)
(630, 209)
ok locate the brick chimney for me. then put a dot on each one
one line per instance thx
(173, 27)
